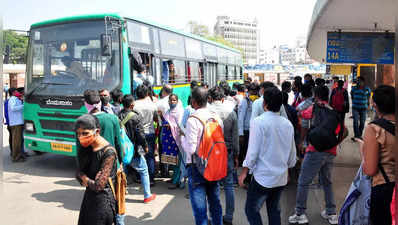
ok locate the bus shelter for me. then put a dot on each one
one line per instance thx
(359, 32)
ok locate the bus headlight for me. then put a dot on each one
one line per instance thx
(29, 126)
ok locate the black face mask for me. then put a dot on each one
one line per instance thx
(105, 100)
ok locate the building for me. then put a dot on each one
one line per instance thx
(269, 56)
(242, 34)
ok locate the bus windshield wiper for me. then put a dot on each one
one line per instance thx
(43, 85)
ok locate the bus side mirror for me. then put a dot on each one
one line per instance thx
(106, 45)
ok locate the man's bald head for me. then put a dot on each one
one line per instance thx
(167, 89)
(199, 97)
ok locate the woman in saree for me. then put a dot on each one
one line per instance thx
(171, 142)
(99, 204)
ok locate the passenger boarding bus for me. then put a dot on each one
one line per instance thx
(67, 56)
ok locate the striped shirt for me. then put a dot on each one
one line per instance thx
(360, 98)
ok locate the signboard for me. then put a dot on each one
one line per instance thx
(340, 69)
(354, 47)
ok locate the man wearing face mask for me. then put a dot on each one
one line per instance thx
(15, 117)
(105, 97)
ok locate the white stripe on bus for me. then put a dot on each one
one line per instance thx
(48, 140)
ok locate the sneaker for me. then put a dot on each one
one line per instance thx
(226, 222)
(332, 219)
(147, 200)
(298, 219)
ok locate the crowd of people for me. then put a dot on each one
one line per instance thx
(262, 132)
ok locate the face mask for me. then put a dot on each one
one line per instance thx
(91, 107)
(17, 94)
(172, 106)
(105, 100)
(86, 141)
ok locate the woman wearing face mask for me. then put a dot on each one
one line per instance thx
(98, 205)
(171, 139)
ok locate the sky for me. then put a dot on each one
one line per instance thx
(280, 21)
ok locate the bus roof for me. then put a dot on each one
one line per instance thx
(118, 16)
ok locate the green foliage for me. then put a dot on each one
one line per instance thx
(198, 29)
(18, 45)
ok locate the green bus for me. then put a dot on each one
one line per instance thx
(69, 55)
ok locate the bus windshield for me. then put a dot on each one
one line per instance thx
(66, 59)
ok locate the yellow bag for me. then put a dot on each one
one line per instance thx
(120, 192)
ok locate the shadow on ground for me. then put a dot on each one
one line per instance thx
(68, 198)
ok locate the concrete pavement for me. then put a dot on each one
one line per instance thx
(43, 191)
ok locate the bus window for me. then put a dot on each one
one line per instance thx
(173, 71)
(221, 72)
(201, 72)
(195, 73)
(231, 73)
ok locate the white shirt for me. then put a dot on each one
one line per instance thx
(271, 149)
(258, 109)
(193, 132)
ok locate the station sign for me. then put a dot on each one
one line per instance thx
(358, 47)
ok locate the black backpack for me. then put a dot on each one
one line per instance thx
(322, 133)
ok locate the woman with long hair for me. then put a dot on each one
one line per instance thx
(99, 204)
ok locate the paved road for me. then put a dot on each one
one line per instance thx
(44, 191)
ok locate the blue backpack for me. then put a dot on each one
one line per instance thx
(128, 146)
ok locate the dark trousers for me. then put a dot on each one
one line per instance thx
(257, 195)
(16, 132)
(380, 200)
(342, 116)
(359, 117)
(10, 139)
(243, 147)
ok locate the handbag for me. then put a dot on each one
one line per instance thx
(356, 207)
(119, 192)
(128, 146)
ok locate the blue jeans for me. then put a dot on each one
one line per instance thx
(229, 190)
(359, 116)
(256, 196)
(183, 169)
(150, 156)
(139, 164)
(316, 163)
(120, 219)
(201, 193)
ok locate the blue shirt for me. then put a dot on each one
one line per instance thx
(244, 115)
(15, 111)
(360, 98)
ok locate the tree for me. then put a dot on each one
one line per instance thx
(198, 29)
(18, 45)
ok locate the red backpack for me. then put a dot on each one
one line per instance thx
(338, 100)
(211, 156)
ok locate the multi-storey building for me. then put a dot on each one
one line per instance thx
(243, 34)
(269, 56)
